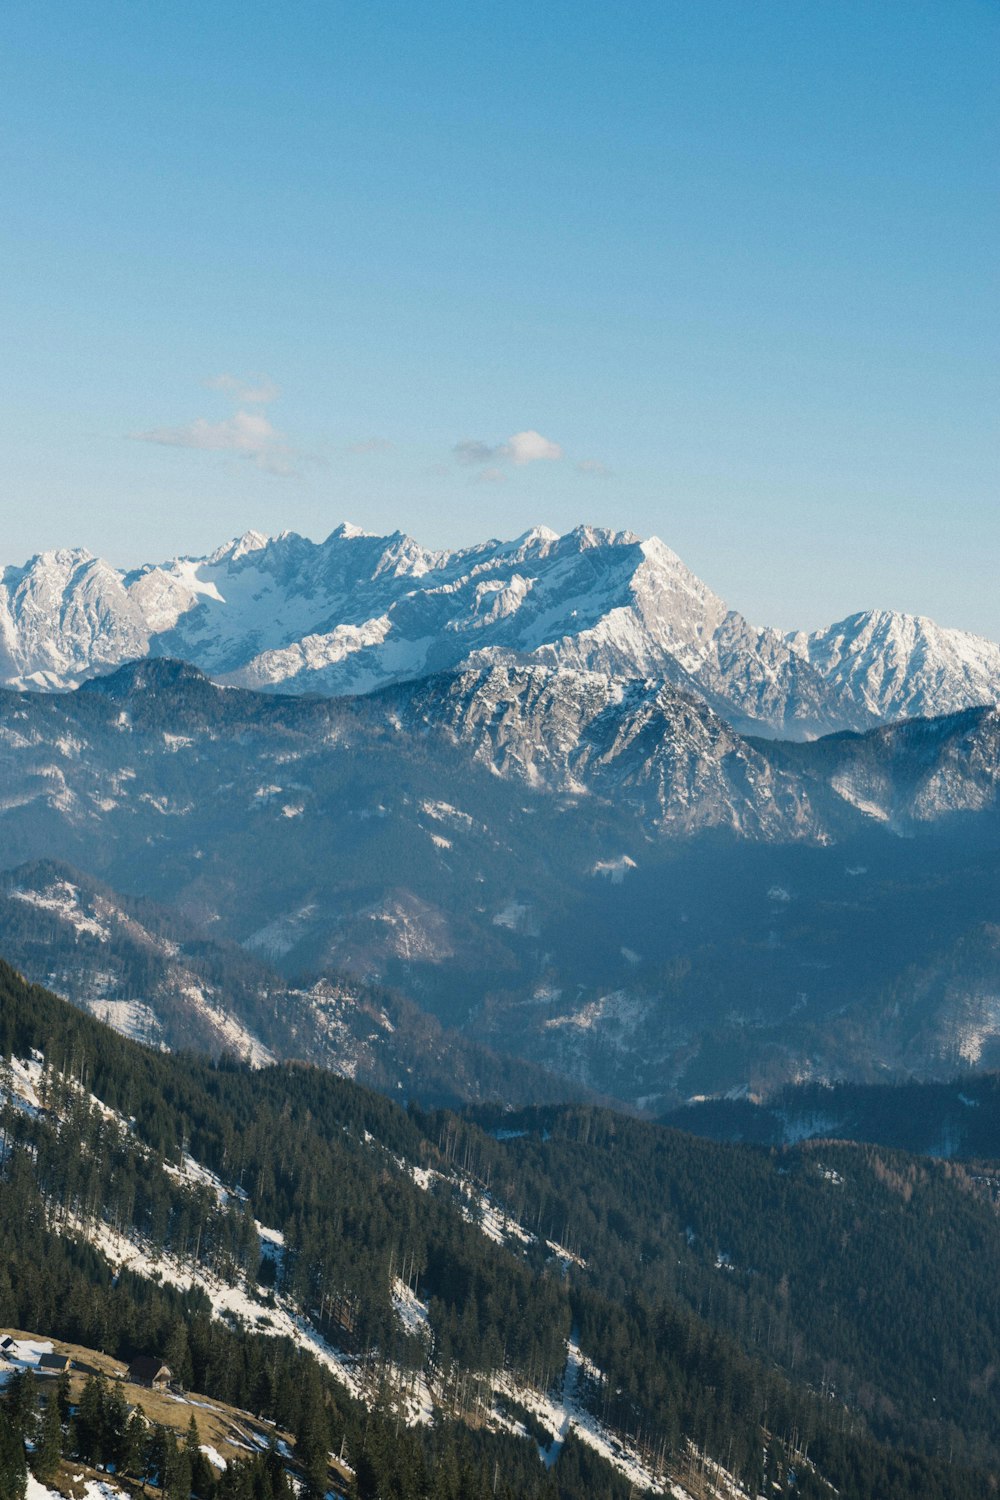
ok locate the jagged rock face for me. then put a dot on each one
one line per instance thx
(895, 666)
(641, 743)
(158, 735)
(599, 875)
(914, 773)
(358, 612)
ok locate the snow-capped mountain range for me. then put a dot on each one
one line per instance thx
(358, 612)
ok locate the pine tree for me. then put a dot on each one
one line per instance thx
(20, 1400)
(134, 1445)
(63, 1395)
(178, 1354)
(116, 1425)
(48, 1450)
(202, 1478)
(13, 1468)
(90, 1438)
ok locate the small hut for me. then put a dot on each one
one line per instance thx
(151, 1372)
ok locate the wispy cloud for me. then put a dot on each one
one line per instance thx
(490, 476)
(528, 447)
(249, 433)
(594, 467)
(472, 453)
(256, 392)
(371, 445)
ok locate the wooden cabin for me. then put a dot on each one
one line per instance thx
(55, 1364)
(151, 1372)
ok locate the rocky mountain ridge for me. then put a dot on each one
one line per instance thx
(358, 612)
(602, 878)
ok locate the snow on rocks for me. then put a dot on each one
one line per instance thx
(62, 898)
(353, 613)
(131, 1018)
(20, 1081)
(614, 870)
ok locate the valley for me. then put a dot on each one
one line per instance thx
(495, 1022)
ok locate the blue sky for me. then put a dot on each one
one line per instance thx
(725, 272)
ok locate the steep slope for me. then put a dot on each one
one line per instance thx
(907, 775)
(357, 612)
(600, 878)
(579, 1303)
(642, 744)
(154, 976)
(895, 666)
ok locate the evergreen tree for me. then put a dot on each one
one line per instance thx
(90, 1421)
(63, 1395)
(48, 1449)
(13, 1468)
(21, 1402)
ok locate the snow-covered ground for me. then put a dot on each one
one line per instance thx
(276, 1317)
(412, 1312)
(20, 1081)
(21, 1354)
(94, 1489)
(63, 898)
(131, 1018)
(563, 1412)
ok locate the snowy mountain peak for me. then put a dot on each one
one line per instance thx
(586, 537)
(899, 666)
(346, 532)
(359, 611)
(60, 562)
(242, 546)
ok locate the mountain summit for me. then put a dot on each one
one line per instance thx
(358, 612)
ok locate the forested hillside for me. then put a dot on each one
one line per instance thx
(949, 1120)
(609, 1292)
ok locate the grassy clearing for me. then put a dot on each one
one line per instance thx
(233, 1433)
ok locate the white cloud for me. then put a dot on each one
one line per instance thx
(531, 448)
(259, 392)
(371, 445)
(594, 467)
(490, 476)
(248, 434)
(528, 447)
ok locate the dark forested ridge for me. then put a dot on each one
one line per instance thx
(762, 1309)
(958, 1120)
